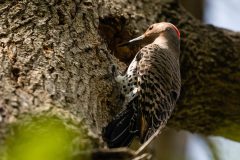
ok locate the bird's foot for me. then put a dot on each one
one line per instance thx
(113, 70)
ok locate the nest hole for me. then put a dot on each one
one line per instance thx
(116, 31)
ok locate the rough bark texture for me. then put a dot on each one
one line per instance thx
(54, 58)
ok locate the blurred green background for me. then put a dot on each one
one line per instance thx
(44, 138)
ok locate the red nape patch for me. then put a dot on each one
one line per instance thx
(175, 28)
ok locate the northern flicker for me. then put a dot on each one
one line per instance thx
(151, 87)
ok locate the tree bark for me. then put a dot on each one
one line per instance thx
(55, 54)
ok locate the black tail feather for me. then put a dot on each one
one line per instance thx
(117, 133)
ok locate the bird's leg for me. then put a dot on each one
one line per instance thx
(113, 70)
(117, 82)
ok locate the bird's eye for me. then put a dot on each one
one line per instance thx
(150, 28)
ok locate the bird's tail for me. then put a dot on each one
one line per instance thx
(118, 132)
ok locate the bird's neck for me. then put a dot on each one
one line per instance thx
(162, 42)
(167, 43)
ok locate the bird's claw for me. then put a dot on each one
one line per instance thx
(113, 70)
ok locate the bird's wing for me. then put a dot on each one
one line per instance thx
(155, 100)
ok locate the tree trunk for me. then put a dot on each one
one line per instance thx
(55, 54)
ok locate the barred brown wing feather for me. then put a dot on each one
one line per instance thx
(155, 99)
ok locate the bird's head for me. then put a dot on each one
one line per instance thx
(160, 29)
(158, 32)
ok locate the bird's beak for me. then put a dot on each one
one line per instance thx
(137, 39)
(132, 40)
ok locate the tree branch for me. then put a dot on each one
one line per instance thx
(57, 56)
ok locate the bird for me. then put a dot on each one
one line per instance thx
(151, 87)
